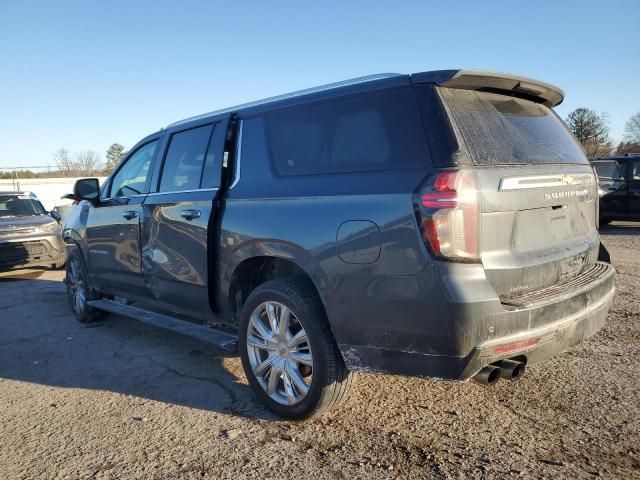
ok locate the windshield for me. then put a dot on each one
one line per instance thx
(19, 206)
(502, 130)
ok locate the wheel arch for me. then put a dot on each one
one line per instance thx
(260, 262)
(73, 239)
(74, 247)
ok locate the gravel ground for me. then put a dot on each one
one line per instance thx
(120, 399)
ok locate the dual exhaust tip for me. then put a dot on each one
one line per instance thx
(507, 369)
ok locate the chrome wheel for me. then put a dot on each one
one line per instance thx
(279, 353)
(76, 285)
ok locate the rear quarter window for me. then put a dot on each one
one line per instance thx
(376, 131)
(503, 130)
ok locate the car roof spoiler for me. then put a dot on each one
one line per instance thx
(501, 83)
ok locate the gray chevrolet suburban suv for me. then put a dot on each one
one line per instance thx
(441, 225)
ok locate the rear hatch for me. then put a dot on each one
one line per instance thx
(537, 194)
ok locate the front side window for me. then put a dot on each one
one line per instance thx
(377, 131)
(131, 178)
(185, 159)
(503, 130)
(20, 206)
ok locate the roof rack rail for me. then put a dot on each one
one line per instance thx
(298, 93)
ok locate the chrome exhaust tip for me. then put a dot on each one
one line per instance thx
(489, 375)
(511, 370)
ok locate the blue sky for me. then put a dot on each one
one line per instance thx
(85, 74)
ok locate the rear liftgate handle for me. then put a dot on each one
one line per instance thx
(190, 214)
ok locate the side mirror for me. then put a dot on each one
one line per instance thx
(86, 189)
(55, 215)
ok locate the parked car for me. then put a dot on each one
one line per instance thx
(29, 235)
(619, 179)
(440, 225)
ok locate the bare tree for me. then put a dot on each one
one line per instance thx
(87, 162)
(64, 162)
(592, 131)
(628, 147)
(82, 163)
(632, 129)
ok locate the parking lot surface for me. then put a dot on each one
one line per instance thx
(121, 399)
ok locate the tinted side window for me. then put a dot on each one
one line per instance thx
(609, 170)
(184, 160)
(377, 131)
(635, 171)
(131, 178)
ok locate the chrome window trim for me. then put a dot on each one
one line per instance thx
(542, 181)
(129, 196)
(162, 193)
(238, 155)
(153, 194)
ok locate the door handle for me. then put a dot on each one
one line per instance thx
(190, 214)
(129, 214)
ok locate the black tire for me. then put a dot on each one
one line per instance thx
(331, 380)
(75, 267)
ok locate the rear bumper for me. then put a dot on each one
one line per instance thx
(33, 251)
(471, 335)
(544, 342)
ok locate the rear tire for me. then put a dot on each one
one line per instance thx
(79, 291)
(296, 371)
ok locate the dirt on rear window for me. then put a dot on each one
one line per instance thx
(502, 130)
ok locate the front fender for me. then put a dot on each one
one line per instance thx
(74, 229)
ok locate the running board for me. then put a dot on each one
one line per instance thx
(223, 340)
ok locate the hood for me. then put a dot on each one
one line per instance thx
(19, 224)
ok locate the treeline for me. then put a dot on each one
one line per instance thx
(26, 174)
(67, 164)
(88, 162)
(592, 131)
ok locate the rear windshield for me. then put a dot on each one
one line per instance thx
(499, 130)
(19, 206)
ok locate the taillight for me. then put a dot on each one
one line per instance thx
(449, 215)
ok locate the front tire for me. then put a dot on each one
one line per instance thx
(288, 352)
(79, 292)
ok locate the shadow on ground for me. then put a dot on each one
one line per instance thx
(621, 228)
(41, 342)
